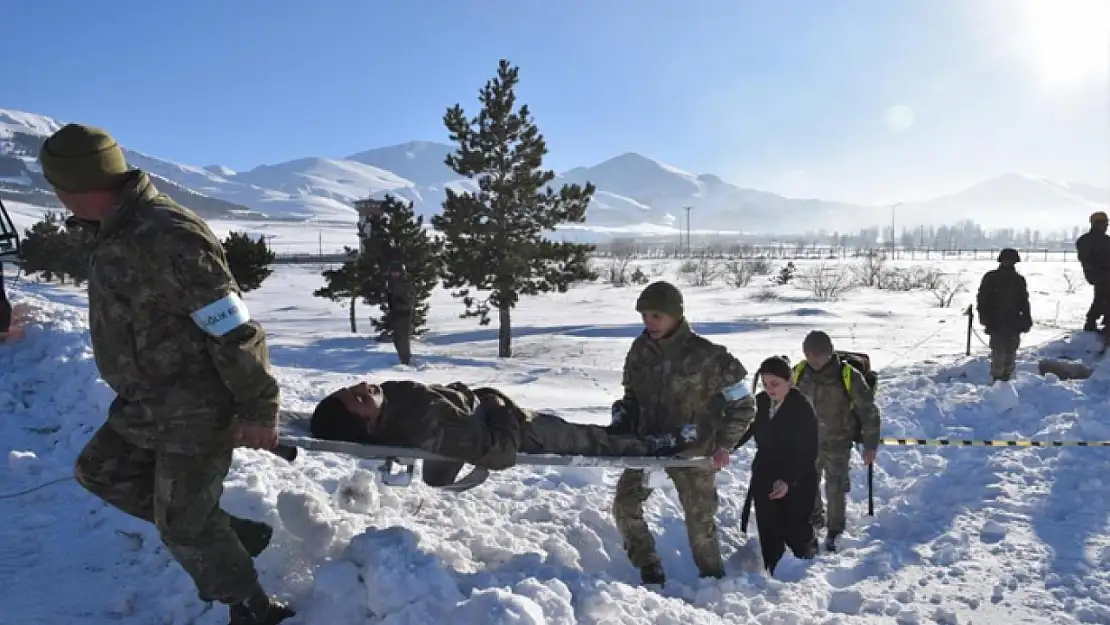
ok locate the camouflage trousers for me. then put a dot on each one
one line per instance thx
(545, 433)
(180, 494)
(697, 493)
(834, 462)
(402, 337)
(1003, 354)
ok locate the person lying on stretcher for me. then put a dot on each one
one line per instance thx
(481, 426)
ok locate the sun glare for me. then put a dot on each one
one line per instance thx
(1064, 42)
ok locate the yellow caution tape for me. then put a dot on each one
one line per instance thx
(942, 442)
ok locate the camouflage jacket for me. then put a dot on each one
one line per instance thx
(1003, 302)
(825, 389)
(169, 331)
(443, 419)
(402, 295)
(1093, 250)
(687, 379)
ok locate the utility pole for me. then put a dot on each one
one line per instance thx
(892, 235)
(688, 248)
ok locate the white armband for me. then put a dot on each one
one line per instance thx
(223, 315)
(734, 392)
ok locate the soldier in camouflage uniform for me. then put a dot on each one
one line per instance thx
(190, 369)
(480, 426)
(402, 301)
(674, 377)
(1093, 250)
(821, 379)
(5, 305)
(1003, 302)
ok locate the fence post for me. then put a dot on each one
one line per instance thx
(970, 318)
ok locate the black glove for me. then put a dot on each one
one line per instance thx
(622, 421)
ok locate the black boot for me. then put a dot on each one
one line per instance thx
(260, 609)
(830, 542)
(652, 574)
(254, 535)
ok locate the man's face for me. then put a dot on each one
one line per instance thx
(657, 323)
(90, 206)
(1099, 226)
(817, 360)
(364, 400)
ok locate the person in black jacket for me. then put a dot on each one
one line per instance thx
(1003, 301)
(784, 479)
(1093, 249)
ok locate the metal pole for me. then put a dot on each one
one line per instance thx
(688, 248)
(892, 234)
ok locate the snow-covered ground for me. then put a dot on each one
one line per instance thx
(960, 535)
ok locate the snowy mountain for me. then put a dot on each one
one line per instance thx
(1012, 201)
(635, 194)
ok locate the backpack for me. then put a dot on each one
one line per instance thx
(849, 360)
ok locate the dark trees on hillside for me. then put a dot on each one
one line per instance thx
(495, 238)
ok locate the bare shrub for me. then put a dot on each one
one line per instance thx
(825, 282)
(759, 266)
(701, 272)
(1071, 283)
(739, 273)
(911, 279)
(764, 294)
(946, 289)
(869, 270)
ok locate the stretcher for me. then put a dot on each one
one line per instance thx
(399, 463)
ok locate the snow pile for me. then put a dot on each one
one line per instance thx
(960, 535)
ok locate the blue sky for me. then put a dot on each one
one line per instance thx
(855, 100)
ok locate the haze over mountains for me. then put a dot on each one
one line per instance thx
(635, 194)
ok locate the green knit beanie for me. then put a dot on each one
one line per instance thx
(79, 158)
(661, 296)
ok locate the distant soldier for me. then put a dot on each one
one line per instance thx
(1003, 302)
(673, 377)
(846, 411)
(401, 298)
(1093, 249)
(188, 364)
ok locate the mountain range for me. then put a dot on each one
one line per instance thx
(635, 194)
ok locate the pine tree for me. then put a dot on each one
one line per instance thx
(494, 239)
(41, 245)
(398, 234)
(248, 259)
(347, 283)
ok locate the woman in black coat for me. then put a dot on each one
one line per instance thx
(784, 473)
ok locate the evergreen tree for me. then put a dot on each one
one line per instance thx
(495, 238)
(398, 234)
(57, 248)
(347, 283)
(249, 260)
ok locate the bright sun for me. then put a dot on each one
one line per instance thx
(1063, 42)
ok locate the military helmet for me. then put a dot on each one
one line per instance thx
(1098, 216)
(1010, 255)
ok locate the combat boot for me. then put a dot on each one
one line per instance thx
(260, 609)
(652, 574)
(830, 542)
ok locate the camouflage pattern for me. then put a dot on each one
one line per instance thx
(697, 493)
(835, 426)
(402, 302)
(835, 422)
(669, 383)
(679, 380)
(834, 461)
(483, 426)
(178, 388)
(180, 494)
(1003, 355)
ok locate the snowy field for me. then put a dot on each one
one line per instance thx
(960, 535)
